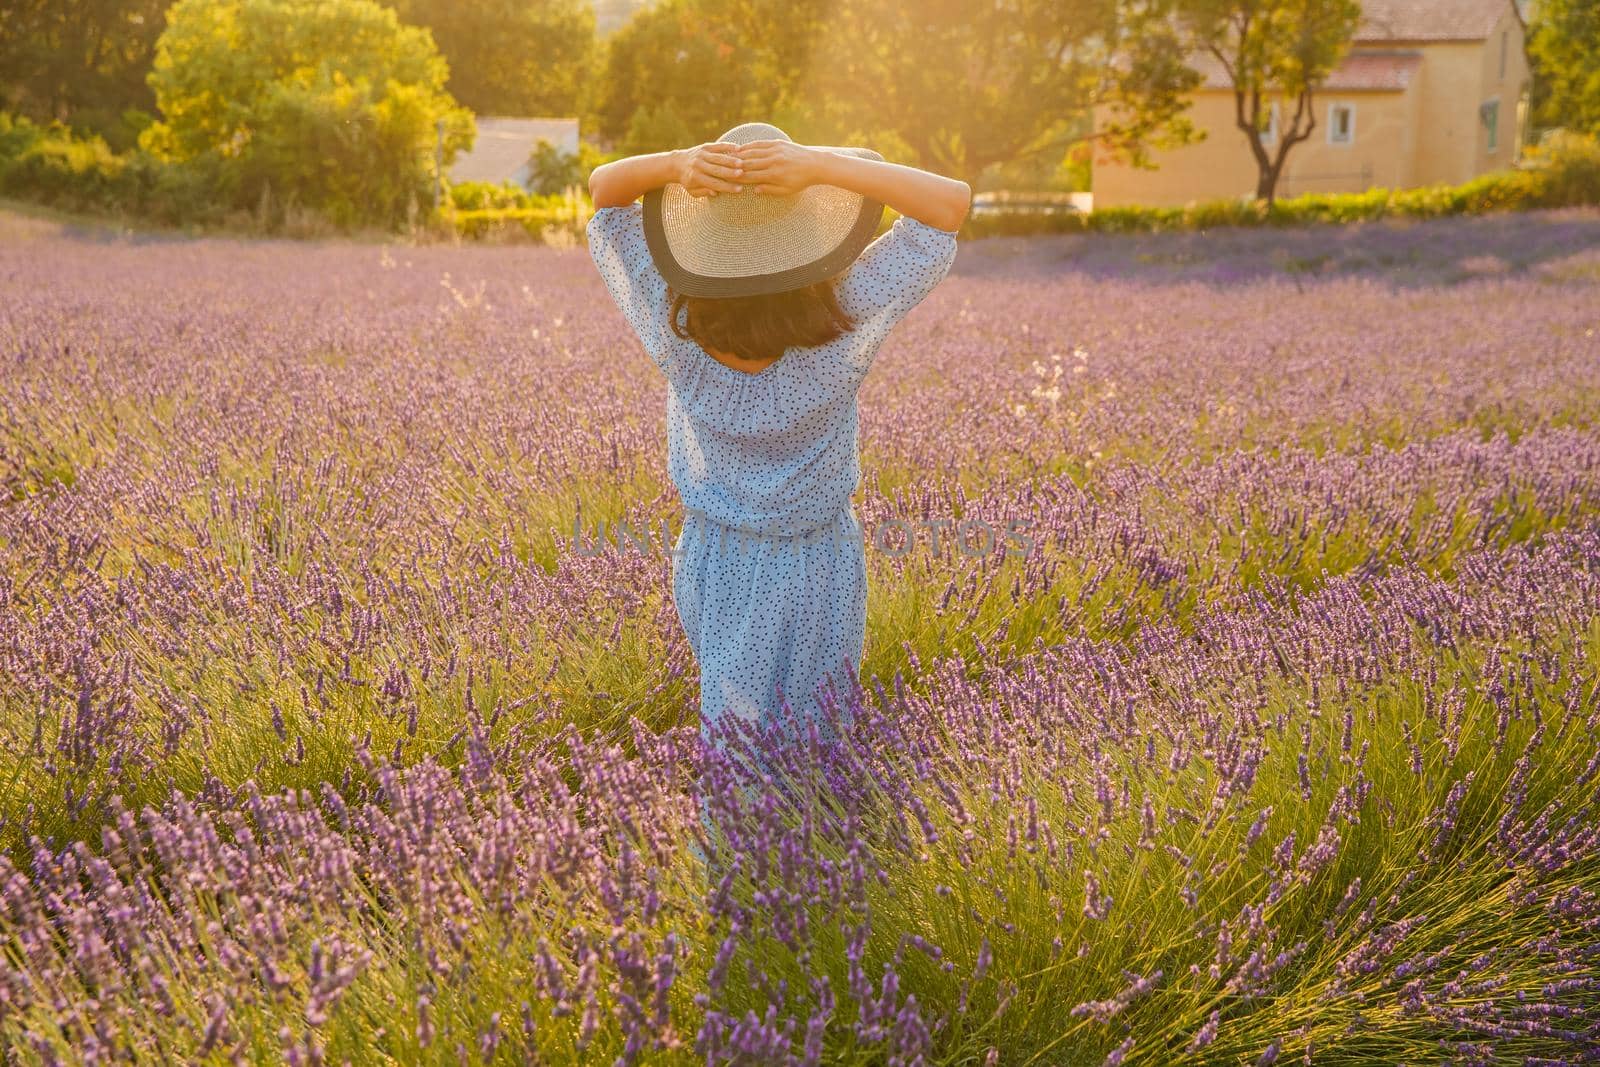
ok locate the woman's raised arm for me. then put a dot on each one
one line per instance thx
(778, 166)
(704, 170)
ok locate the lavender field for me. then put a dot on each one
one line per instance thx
(323, 742)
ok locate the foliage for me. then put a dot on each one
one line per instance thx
(38, 161)
(560, 172)
(1063, 163)
(482, 196)
(499, 212)
(1563, 43)
(1568, 168)
(328, 104)
(553, 171)
(776, 44)
(1566, 173)
(1272, 50)
(552, 220)
(82, 61)
(682, 71)
(55, 166)
(674, 77)
(928, 82)
(964, 93)
(51, 165)
(512, 57)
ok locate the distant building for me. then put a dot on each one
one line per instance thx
(1431, 91)
(502, 148)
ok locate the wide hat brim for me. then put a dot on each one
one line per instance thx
(750, 243)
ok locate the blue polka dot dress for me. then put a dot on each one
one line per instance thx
(769, 572)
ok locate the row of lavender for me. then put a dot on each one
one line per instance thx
(1365, 827)
(191, 670)
(322, 742)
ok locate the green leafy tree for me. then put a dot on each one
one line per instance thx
(1273, 50)
(776, 41)
(965, 87)
(1564, 45)
(948, 84)
(672, 74)
(512, 57)
(82, 61)
(553, 171)
(330, 103)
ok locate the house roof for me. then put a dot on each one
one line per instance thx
(501, 150)
(1431, 20)
(1361, 71)
(1374, 71)
(1390, 22)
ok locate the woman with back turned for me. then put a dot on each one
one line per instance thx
(749, 277)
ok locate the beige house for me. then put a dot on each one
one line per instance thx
(1431, 91)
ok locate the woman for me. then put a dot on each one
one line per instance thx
(748, 276)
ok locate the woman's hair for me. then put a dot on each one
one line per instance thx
(761, 327)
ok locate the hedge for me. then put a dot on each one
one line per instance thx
(54, 166)
(1564, 173)
(479, 210)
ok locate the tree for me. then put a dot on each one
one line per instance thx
(950, 84)
(77, 60)
(332, 103)
(1273, 49)
(512, 57)
(964, 86)
(1564, 44)
(674, 74)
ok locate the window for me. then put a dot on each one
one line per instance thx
(1505, 44)
(1341, 124)
(1269, 133)
(1489, 112)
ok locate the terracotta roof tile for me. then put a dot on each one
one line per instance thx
(1430, 20)
(1374, 71)
(1361, 71)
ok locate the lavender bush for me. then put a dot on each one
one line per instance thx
(322, 744)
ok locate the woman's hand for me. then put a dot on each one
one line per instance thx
(778, 167)
(705, 170)
(709, 169)
(929, 198)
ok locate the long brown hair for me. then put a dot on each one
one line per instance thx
(761, 327)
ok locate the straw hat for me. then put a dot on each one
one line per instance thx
(744, 244)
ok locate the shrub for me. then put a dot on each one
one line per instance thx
(550, 170)
(1205, 214)
(487, 196)
(1426, 202)
(507, 211)
(1335, 208)
(53, 165)
(553, 170)
(1565, 172)
(329, 104)
(1569, 164)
